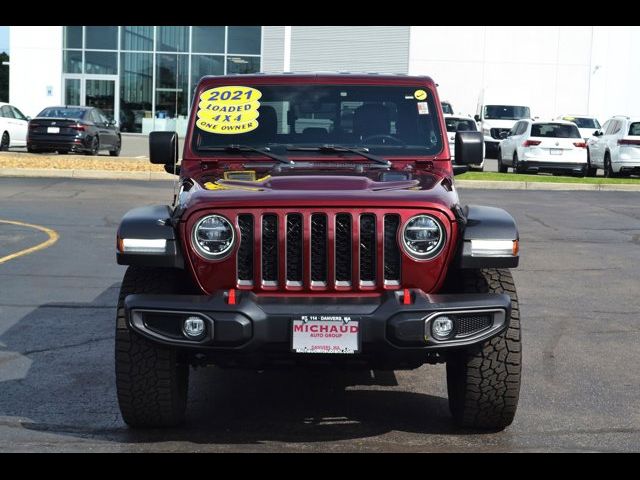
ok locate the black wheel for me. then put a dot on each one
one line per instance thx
(608, 169)
(591, 171)
(515, 164)
(484, 382)
(502, 168)
(151, 379)
(116, 151)
(4, 142)
(95, 146)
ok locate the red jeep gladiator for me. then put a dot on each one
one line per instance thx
(316, 222)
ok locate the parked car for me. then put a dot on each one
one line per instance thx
(616, 147)
(497, 111)
(353, 251)
(539, 146)
(461, 123)
(586, 124)
(73, 129)
(13, 127)
(447, 108)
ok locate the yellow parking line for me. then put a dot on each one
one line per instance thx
(53, 238)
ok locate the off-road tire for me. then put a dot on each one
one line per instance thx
(484, 381)
(151, 379)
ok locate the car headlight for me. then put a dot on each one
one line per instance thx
(213, 237)
(423, 237)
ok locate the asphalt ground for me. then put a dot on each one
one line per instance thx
(578, 285)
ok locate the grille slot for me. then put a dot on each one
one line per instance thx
(319, 249)
(294, 249)
(471, 323)
(343, 249)
(245, 250)
(392, 257)
(368, 249)
(270, 249)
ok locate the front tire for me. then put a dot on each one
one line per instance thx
(591, 171)
(502, 168)
(484, 381)
(151, 379)
(5, 141)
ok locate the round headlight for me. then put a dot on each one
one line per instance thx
(213, 237)
(423, 237)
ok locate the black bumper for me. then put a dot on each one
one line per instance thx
(59, 142)
(260, 327)
(550, 167)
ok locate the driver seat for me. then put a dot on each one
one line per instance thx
(371, 119)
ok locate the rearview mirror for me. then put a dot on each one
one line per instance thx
(469, 148)
(163, 148)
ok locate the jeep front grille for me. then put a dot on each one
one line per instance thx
(319, 250)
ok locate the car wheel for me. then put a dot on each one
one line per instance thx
(95, 146)
(516, 164)
(151, 379)
(63, 152)
(483, 382)
(591, 171)
(30, 149)
(502, 168)
(116, 152)
(608, 169)
(4, 142)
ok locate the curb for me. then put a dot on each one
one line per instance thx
(84, 174)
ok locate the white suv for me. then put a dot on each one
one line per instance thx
(615, 148)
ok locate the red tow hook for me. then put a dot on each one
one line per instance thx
(406, 298)
(231, 299)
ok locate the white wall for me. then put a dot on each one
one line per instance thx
(552, 65)
(36, 64)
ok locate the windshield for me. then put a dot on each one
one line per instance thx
(582, 122)
(447, 108)
(554, 130)
(382, 118)
(460, 125)
(61, 112)
(506, 112)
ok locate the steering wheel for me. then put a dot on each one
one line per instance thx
(395, 140)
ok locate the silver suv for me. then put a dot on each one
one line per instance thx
(615, 148)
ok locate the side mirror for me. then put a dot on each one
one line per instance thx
(163, 148)
(111, 123)
(469, 148)
(503, 135)
(597, 133)
(476, 117)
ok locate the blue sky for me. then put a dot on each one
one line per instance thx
(4, 39)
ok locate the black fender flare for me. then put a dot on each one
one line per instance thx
(486, 223)
(150, 222)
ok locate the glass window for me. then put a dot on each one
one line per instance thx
(634, 128)
(6, 111)
(63, 112)
(244, 40)
(207, 40)
(383, 118)
(136, 91)
(605, 127)
(554, 130)
(447, 108)
(101, 62)
(172, 83)
(202, 65)
(72, 61)
(612, 128)
(522, 128)
(137, 38)
(18, 114)
(506, 112)
(72, 91)
(173, 39)
(460, 124)
(583, 122)
(73, 37)
(236, 64)
(101, 38)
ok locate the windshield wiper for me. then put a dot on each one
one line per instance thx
(247, 148)
(363, 152)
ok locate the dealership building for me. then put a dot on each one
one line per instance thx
(144, 76)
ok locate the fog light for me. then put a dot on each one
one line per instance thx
(441, 327)
(193, 327)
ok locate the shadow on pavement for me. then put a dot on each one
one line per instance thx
(69, 389)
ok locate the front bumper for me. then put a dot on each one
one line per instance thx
(260, 327)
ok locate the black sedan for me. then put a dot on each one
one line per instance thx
(73, 129)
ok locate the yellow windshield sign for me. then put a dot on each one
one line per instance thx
(229, 110)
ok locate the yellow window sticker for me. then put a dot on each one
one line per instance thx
(229, 110)
(420, 95)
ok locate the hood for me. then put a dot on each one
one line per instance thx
(324, 190)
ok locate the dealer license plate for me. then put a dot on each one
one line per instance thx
(53, 129)
(556, 151)
(325, 334)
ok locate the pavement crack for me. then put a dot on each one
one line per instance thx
(72, 345)
(537, 220)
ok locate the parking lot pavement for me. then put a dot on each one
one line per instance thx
(578, 284)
